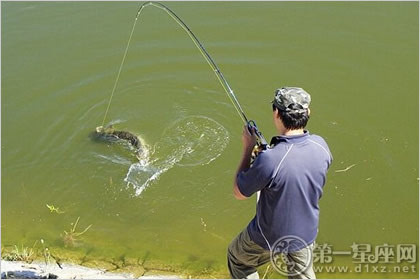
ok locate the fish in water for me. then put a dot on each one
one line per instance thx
(123, 135)
(109, 133)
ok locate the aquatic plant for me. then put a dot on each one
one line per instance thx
(268, 271)
(24, 254)
(47, 255)
(54, 209)
(203, 224)
(71, 238)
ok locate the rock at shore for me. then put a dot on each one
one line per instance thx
(21, 270)
(38, 270)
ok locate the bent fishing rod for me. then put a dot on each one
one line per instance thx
(252, 127)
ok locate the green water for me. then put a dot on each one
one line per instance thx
(59, 62)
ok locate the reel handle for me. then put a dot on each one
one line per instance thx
(252, 128)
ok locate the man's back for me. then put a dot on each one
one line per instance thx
(291, 176)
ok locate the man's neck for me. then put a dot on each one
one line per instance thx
(292, 132)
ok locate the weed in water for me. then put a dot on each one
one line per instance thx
(54, 209)
(24, 254)
(71, 238)
(47, 255)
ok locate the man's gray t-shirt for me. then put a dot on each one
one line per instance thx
(290, 176)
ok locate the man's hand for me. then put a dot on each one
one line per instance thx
(248, 140)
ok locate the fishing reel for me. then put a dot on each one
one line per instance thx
(261, 142)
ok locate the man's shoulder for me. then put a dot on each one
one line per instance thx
(270, 158)
(318, 139)
(276, 151)
(319, 142)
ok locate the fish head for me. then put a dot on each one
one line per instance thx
(109, 129)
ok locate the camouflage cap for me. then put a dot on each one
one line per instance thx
(286, 96)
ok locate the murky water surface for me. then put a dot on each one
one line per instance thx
(59, 62)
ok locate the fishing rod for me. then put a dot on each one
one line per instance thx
(252, 126)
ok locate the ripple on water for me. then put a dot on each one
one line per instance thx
(189, 141)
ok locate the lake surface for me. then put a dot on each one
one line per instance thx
(59, 62)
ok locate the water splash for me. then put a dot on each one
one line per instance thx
(189, 141)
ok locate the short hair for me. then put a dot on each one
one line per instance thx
(293, 120)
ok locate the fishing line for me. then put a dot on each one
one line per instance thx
(204, 53)
(121, 65)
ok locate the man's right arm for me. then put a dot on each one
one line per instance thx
(256, 177)
(243, 166)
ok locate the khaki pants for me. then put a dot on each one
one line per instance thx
(244, 256)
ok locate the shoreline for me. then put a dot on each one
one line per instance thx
(39, 270)
(79, 265)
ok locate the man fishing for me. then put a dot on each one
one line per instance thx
(290, 176)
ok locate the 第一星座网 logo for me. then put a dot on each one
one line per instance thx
(290, 255)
